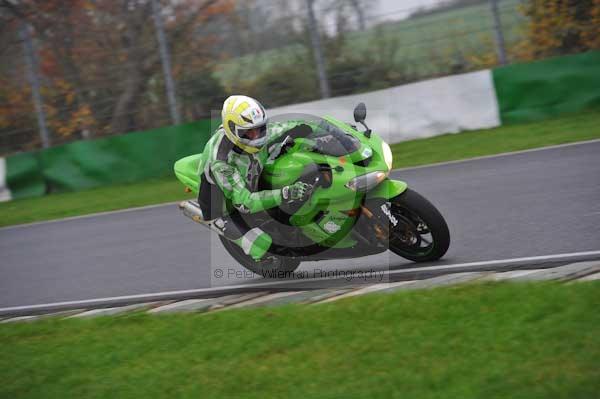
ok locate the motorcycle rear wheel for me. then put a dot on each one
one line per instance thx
(422, 235)
(272, 266)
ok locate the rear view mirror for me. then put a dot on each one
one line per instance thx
(360, 112)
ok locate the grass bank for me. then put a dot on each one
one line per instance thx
(450, 147)
(566, 129)
(496, 340)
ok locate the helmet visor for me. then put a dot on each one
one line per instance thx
(253, 133)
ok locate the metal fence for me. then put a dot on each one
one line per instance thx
(85, 69)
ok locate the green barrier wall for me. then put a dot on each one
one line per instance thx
(24, 175)
(538, 90)
(120, 159)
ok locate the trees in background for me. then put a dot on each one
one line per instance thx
(557, 27)
(101, 73)
(100, 68)
(99, 62)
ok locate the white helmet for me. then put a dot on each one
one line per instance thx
(245, 122)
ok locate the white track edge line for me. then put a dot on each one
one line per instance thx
(503, 154)
(91, 215)
(552, 147)
(149, 296)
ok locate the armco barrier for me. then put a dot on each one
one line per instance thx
(542, 89)
(120, 159)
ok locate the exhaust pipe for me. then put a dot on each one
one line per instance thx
(192, 210)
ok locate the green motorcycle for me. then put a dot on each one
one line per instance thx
(355, 209)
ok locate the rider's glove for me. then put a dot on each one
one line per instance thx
(296, 191)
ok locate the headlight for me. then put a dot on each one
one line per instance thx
(366, 182)
(387, 154)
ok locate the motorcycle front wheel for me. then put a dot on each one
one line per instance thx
(421, 234)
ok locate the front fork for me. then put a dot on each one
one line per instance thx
(376, 217)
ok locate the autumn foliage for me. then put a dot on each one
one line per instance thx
(557, 27)
(99, 64)
(101, 73)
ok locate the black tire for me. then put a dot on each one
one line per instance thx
(425, 221)
(273, 266)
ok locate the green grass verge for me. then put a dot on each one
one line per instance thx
(566, 129)
(491, 340)
(449, 147)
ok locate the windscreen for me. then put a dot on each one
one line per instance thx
(318, 134)
(330, 140)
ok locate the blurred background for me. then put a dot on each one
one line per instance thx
(82, 69)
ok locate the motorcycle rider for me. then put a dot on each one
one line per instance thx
(230, 167)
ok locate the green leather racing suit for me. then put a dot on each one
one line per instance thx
(229, 180)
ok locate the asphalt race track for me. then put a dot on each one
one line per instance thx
(529, 204)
